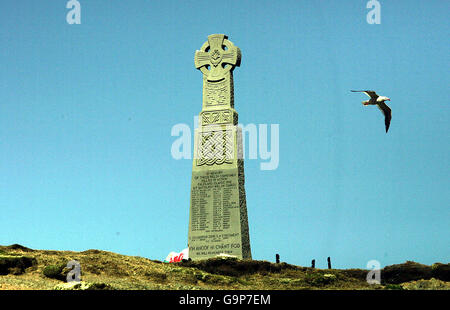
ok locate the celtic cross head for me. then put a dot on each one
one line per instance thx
(217, 56)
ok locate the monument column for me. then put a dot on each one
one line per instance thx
(218, 220)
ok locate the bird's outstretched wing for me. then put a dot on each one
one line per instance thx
(387, 114)
(370, 93)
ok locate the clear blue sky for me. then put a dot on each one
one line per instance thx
(86, 113)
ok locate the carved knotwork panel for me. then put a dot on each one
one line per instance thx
(217, 117)
(215, 147)
(217, 93)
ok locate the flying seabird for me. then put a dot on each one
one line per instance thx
(380, 102)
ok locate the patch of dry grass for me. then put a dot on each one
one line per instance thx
(123, 272)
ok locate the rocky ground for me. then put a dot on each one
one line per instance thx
(22, 268)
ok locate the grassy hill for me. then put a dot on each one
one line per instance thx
(22, 268)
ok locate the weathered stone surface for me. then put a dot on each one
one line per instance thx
(218, 213)
(82, 286)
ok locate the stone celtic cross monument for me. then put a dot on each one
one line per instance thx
(218, 212)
